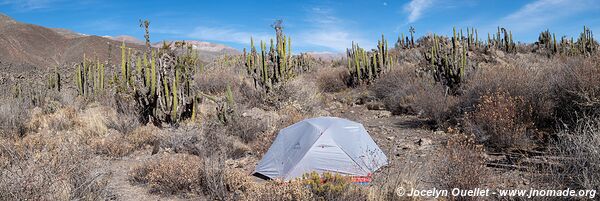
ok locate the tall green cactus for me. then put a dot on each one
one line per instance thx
(153, 81)
(175, 100)
(123, 63)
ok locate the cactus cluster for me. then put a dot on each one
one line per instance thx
(54, 80)
(365, 66)
(585, 44)
(404, 42)
(160, 81)
(502, 40)
(89, 77)
(275, 65)
(448, 63)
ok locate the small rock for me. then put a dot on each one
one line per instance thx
(390, 138)
(384, 114)
(375, 106)
(351, 111)
(438, 133)
(424, 142)
(405, 146)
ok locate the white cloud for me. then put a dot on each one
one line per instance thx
(328, 31)
(540, 13)
(27, 5)
(226, 35)
(415, 9)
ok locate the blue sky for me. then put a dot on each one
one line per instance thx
(314, 25)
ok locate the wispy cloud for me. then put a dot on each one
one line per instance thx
(540, 13)
(415, 9)
(50, 5)
(225, 34)
(28, 5)
(328, 31)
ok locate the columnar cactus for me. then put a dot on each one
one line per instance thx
(123, 63)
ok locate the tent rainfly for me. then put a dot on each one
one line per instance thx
(323, 144)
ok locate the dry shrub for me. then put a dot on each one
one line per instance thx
(113, 145)
(215, 80)
(171, 174)
(217, 140)
(272, 191)
(92, 122)
(247, 129)
(62, 120)
(143, 136)
(528, 77)
(577, 90)
(214, 179)
(403, 91)
(127, 116)
(410, 176)
(332, 80)
(301, 92)
(13, 116)
(249, 96)
(330, 186)
(500, 121)
(61, 170)
(461, 164)
(579, 151)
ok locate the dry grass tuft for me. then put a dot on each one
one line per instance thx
(332, 80)
(215, 80)
(500, 121)
(113, 145)
(143, 136)
(403, 91)
(171, 174)
(461, 164)
(46, 167)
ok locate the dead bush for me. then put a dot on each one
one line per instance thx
(528, 77)
(13, 116)
(461, 164)
(113, 145)
(577, 90)
(330, 186)
(214, 181)
(247, 129)
(215, 80)
(500, 121)
(143, 136)
(180, 140)
(579, 150)
(60, 171)
(249, 96)
(332, 80)
(403, 91)
(216, 140)
(301, 92)
(409, 176)
(176, 174)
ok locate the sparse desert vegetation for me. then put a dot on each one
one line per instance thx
(449, 112)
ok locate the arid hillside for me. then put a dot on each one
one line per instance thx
(449, 112)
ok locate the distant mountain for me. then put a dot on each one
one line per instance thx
(31, 48)
(40, 47)
(127, 39)
(207, 50)
(326, 56)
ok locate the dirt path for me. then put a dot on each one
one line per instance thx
(119, 184)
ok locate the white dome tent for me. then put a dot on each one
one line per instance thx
(323, 144)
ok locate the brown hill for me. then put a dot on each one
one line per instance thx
(40, 47)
